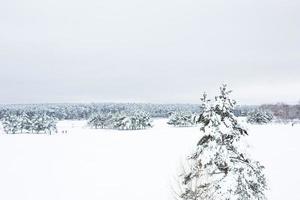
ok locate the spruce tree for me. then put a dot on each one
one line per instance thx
(219, 168)
(259, 117)
(182, 119)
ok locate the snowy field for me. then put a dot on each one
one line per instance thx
(86, 164)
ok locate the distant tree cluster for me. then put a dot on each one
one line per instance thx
(28, 123)
(120, 121)
(182, 119)
(259, 117)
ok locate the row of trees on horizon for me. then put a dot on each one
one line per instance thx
(85, 111)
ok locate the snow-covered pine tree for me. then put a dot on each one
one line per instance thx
(259, 117)
(25, 122)
(120, 121)
(145, 120)
(140, 120)
(49, 124)
(36, 123)
(100, 120)
(219, 168)
(11, 123)
(136, 121)
(182, 119)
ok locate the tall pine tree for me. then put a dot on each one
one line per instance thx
(219, 168)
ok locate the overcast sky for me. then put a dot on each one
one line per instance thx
(160, 51)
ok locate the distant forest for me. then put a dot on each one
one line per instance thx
(79, 111)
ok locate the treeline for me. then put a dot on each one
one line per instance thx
(85, 111)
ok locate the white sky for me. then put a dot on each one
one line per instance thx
(160, 51)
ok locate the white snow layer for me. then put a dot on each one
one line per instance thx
(87, 164)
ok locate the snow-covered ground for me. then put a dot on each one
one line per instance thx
(86, 164)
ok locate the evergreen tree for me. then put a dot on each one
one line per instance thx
(100, 120)
(143, 120)
(120, 121)
(259, 117)
(11, 123)
(49, 124)
(25, 122)
(219, 168)
(182, 119)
